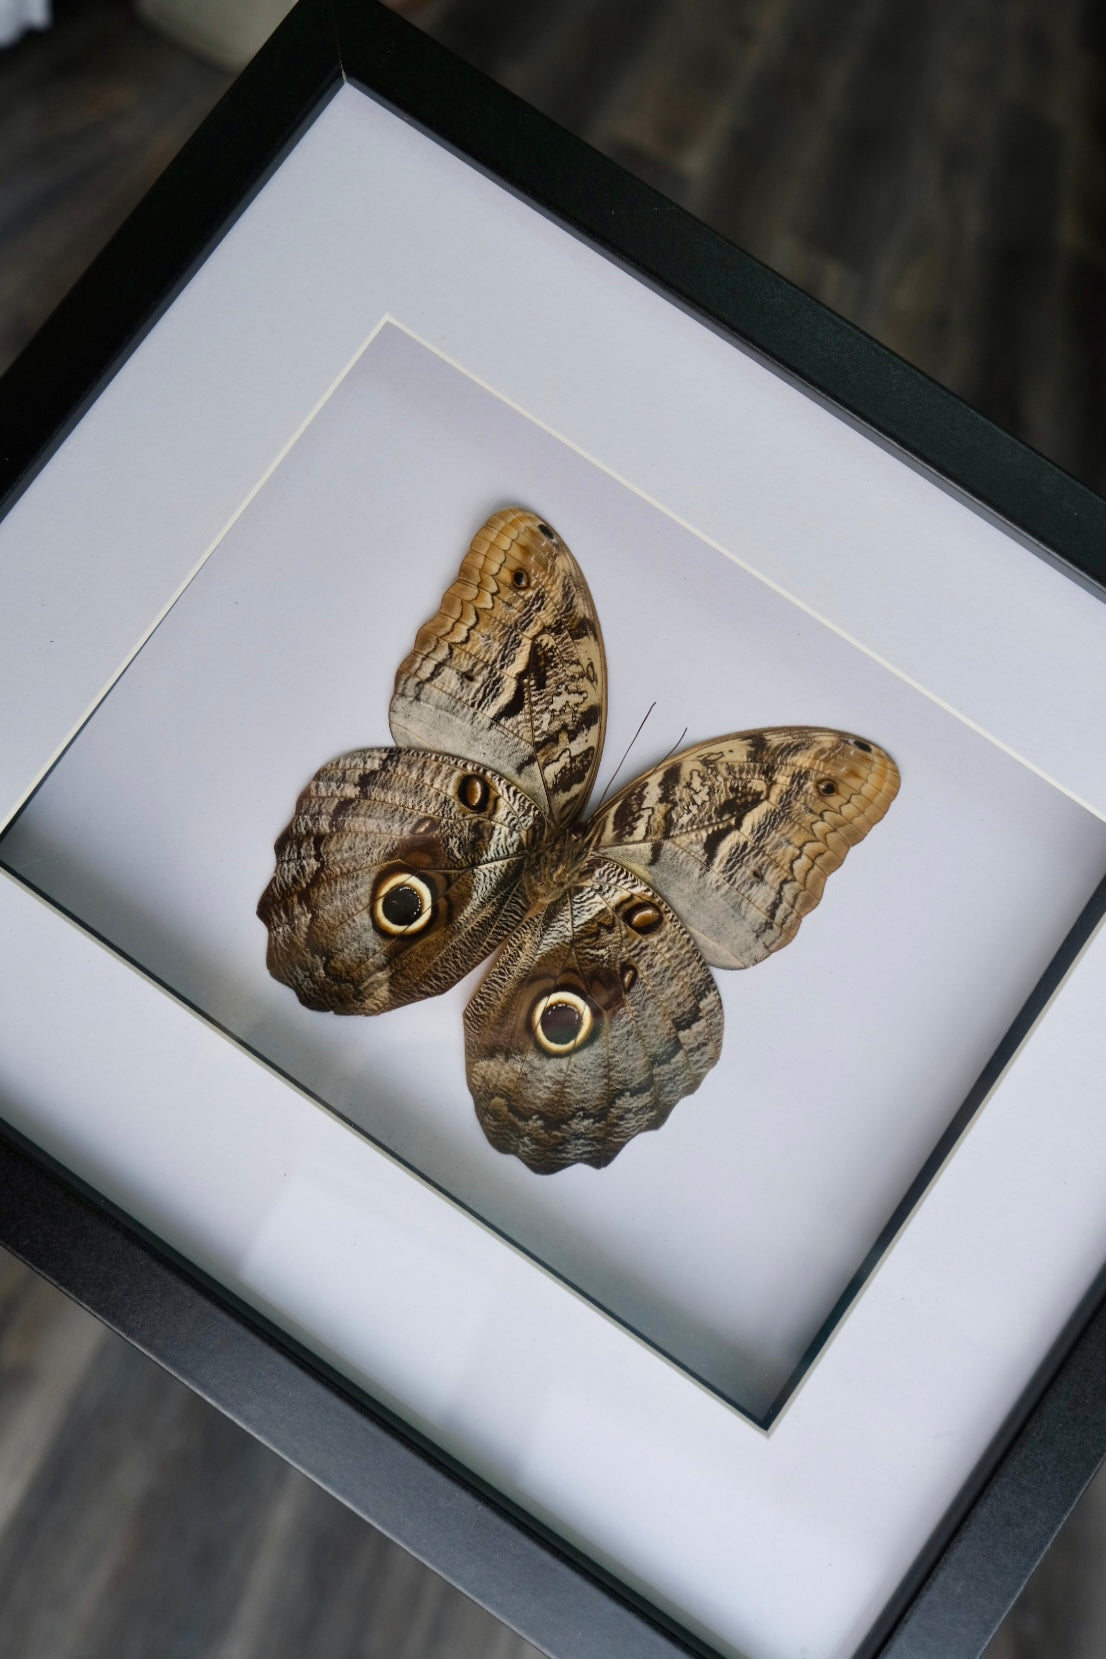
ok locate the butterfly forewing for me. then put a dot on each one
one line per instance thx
(399, 872)
(741, 833)
(510, 671)
(596, 1016)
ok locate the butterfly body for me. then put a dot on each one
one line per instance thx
(557, 864)
(404, 868)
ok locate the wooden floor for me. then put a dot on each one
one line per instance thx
(936, 172)
(138, 1523)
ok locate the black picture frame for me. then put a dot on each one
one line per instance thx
(1049, 1448)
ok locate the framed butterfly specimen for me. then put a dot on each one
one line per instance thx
(404, 868)
(564, 1394)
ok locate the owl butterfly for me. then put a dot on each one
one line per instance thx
(403, 868)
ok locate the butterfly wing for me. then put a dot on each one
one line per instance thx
(596, 1016)
(399, 872)
(740, 834)
(510, 671)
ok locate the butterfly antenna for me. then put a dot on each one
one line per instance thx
(622, 762)
(673, 749)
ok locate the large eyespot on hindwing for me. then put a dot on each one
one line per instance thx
(562, 1021)
(402, 904)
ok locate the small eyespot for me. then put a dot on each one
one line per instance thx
(520, 578)
(473, 792)
(827, 787)
(642, 916)
(627, 973)
(403, 904)
(859, 743)
(546, 531)
(561, 1021)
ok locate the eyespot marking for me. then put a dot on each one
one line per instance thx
(627, 973)
(474, 792)
(520, 578)
(562, 1021)
(859, 743)
(827, 787)
(641, 916)
(546, 531)
(402, 904)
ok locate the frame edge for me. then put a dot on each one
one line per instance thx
(728, 289)
(310, 1415)
(151, 257)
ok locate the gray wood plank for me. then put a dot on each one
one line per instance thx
(935, 172)
(150, 1524)
(90, 114)
(46, 1348)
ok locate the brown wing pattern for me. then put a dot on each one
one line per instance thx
(741, 833)
(596, 1016)
(399, 872)
(510, 671)
(404, 868)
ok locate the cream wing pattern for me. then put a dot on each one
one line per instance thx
(402, 869)
(741, 834)
(510, 671)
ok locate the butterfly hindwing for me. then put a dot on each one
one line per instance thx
(595, 1017)
(510, 671)
(399, 872)
(740, 834)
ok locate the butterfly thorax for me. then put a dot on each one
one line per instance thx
(554, 867)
